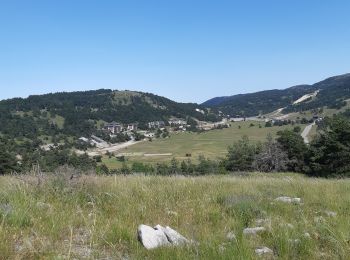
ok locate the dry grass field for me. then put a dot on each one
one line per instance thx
(96, 217)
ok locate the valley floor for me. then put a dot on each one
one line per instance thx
(95, 217)
(210, 144)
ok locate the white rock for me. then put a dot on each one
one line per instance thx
(231, 236)
(151, 238)
(263, 251)
(222, 248)
(253, 231)
(172, 235)
(288, 199)
(288, 225)
(307, 235)
(330, 213)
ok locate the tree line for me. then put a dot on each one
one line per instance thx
(328, 155)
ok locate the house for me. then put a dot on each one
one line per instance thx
(114, 127)
(132, 127)
(156, 124)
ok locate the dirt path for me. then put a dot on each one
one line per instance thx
(117, 147)
(157, 154)
(306, 132)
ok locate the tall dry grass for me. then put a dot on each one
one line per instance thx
(94, 217)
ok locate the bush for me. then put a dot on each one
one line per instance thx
(268, 124)
(297, 129)
(139, 167)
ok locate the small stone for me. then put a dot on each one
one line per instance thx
(263, 251)
(231, 236)
(222, 248)
(289, 200)
(307, 235)
(330, 213)
(151, 238)
(253, 231)
(288, 225)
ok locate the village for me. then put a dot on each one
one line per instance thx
(116, 136)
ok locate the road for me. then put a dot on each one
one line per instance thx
(306, 132)
(112, 148)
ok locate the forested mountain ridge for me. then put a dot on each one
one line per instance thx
(78, 113)
(332, 93)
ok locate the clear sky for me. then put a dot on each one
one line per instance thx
(186, 50)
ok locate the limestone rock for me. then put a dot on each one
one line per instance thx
(151, 238)
(289, 200)
(263, 251)
(253, 231)
(330, 213)
(289, 225)
(307, 235)
(160, 236)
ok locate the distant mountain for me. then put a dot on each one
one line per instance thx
(332, 93)
(215, 101)
(81, 113)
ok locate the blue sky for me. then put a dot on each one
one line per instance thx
(186, 50)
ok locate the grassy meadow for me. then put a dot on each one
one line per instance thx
(211, 144)
(96, 217)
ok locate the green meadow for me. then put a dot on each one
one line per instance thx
(211, 144)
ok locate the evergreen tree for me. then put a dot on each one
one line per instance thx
(240, 156)
(330, 151)
(8, 162)
(294, 145)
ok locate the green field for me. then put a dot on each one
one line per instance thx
(96, 217)
(211, 144)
